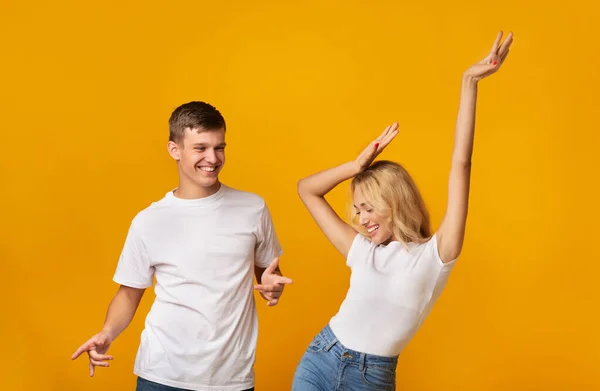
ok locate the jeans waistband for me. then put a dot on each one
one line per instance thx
(349, 355)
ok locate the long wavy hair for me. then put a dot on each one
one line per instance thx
(392, 193)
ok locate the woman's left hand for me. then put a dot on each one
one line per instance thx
(493, 61)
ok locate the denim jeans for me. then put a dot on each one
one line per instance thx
(327, 365)
(147, 385)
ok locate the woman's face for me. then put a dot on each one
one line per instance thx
(377, 226)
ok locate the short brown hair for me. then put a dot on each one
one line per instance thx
(194, 115)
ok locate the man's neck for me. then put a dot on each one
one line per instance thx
(190, 192)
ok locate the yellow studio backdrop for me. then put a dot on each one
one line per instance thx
(87, 89)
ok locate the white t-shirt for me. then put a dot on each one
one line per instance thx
(391, 292)
(202, 329)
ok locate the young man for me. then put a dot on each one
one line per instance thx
(203, 241)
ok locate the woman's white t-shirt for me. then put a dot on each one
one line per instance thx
(391, 292)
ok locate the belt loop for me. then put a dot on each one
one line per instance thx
(330, 344)
(362, 359)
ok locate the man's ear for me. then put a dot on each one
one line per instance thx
(174, 150)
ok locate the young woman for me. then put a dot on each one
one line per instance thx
(399, 268)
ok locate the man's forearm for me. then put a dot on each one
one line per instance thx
(121, 310)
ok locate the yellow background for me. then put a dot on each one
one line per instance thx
(85, 98)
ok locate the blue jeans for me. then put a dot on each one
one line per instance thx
(147, 385)
(329, 366)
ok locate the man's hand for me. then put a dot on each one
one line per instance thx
(272, 283)
(96, 347)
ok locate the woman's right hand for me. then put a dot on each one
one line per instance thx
(376, 146)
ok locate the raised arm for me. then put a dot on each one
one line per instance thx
(451, 233)
(312, 191)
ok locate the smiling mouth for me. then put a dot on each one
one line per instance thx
(373, 228)
(208, 168)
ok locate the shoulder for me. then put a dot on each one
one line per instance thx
(429, 251)
(359, 249)
(243, 198)
(151, 213)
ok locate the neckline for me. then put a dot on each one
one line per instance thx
(202, 201)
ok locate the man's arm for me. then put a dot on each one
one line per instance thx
(270, 282)
(120, 312)
(258, 272)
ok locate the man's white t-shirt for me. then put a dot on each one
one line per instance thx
(392, 290)
(202, 329)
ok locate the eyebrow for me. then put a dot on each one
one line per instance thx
(205, 145)
(363, 204)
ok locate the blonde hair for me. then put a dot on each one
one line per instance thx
(391, 192)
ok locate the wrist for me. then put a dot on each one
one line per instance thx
(108, 332)
(469, 81)
(354, 168)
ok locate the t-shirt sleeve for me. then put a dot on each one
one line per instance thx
(267, 245)
(134, 268)
(359, 250)
(434, 254)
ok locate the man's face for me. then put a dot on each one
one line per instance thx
(201, 156)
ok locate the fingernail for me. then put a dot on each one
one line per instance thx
(495, 62)
(376, 145)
